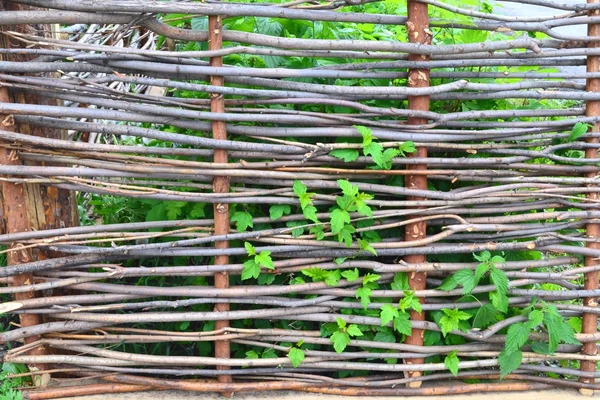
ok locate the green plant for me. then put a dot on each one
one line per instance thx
(382, 158)
(252, 266)
(518, 334)
(341, 337)
(9, 385)
(296, 354)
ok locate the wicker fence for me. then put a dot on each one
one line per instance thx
(291, 209)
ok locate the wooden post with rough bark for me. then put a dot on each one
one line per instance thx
(417, 27)
(590, 320)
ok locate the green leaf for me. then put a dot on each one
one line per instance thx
(156, 213)
(388, 313)
(250, 250)
(576, 323)
(296, 356)
(318, 232)
(361, 204)
(448, 284)
(400, 282)
(347, 155)
(509, 361)
(198, 211)
(540, 348)
(266, 279)
(345, 202)
(407, 147)
(364, 294)
(451, 320)
(499, 300)
(375, 150)
(354, 331)
(402, 324)
(317, 274)
(264, 259)
(340, 340)
(305, 200)
(369, 277)
(500, 280)
(558, 330)
(579, 129)
(277, 211)
(183, 325)
(347, 188)
(333, 277)
(485, 316)
(345, 234)
(251, 354)
(340, 323)
(451, 362)
(466, 279)
(174, 209)
(351, 275)
(366, 246)
(339, 218)
(536, 317)
(296, 232)
(516, 336)
(251, 270)
(481, 270)
(339, 260)
(483, 257)
(385, 337)
(410, 301)
(366, 134)
(243, 220)
(268, 353)
(310, 213)
(299, 188)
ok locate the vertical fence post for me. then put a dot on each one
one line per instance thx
(417, 28)
(589, 320)
(15, 219)
(220, 185)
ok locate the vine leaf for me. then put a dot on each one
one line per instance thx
(466, 279)
(364, 294)
(350, 274)
(509, 361)
(347, 155)
(354, 330)
(579, 129)
(339, 218)
(243, 220)
(388, 313)
(516, 336)
(499, 300)
(500, 280)
(485, 316)
(451, 362)
(451, 319)
(279, 210)
(345, 234)
(264, 259)
(558, 329)
(400, 282)
(296, 356)
(385, 336)
(340, 340)
(448, 284)
(251, 270)
(402, 324)
(347, 188)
